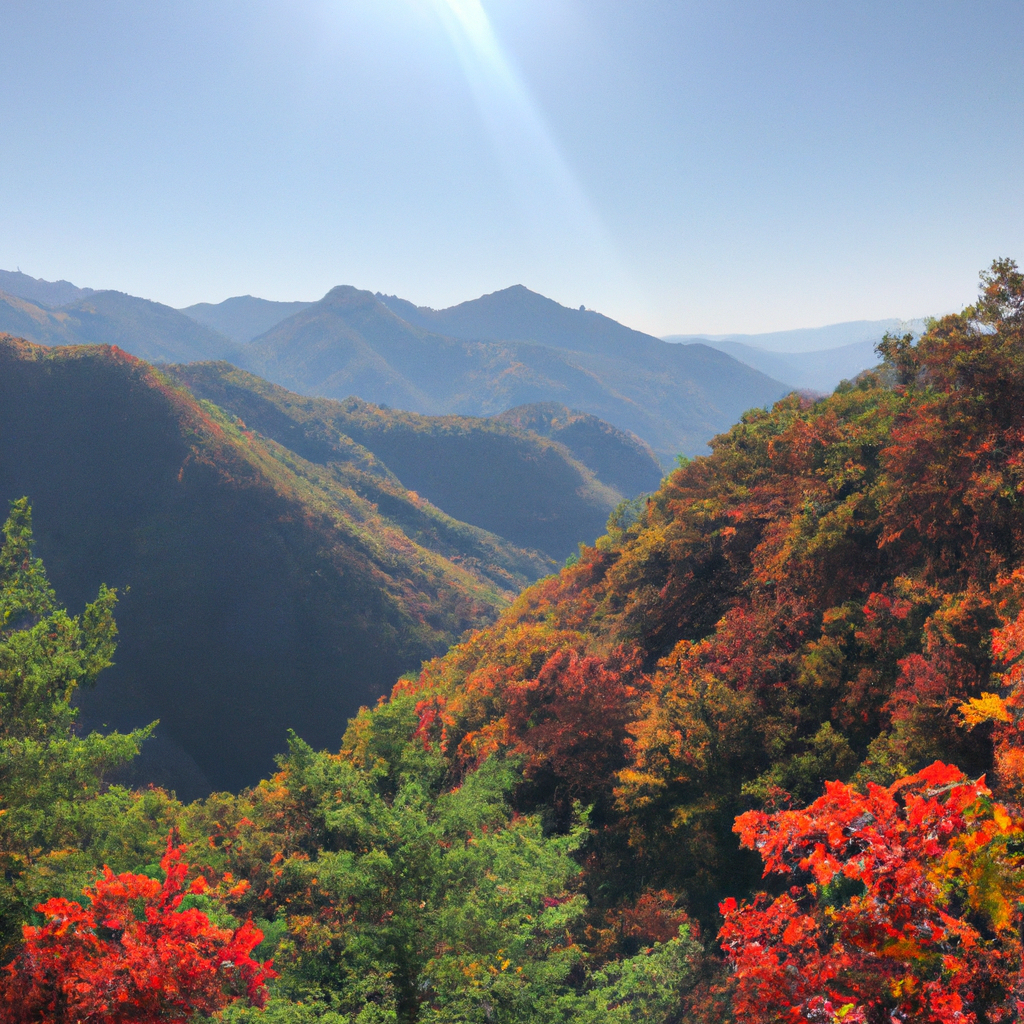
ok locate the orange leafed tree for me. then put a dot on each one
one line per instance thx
(131, 955)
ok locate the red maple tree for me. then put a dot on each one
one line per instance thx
(131, 955)
(908, 911)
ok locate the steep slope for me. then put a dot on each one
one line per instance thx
(618, 458)
(836, 592)
(26, 319)
(261, 591)
(145, 329)
(350, 343)
(502, 479)
(242, 317)
(142, 328)
(35, 289)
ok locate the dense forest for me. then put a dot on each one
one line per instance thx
(756, 755)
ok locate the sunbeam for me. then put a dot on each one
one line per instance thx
(522, 141)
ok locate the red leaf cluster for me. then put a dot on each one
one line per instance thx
(571, 719)
(131, 955)
(907, 914)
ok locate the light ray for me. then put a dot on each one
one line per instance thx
(521, 139)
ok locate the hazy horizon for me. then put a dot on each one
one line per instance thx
(681, 168)
(782, 335)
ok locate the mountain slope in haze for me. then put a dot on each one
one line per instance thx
(819, 370)
(25, 319)
(518, 314)
(616, 457)
(48, 293)
(508, 481)
(823, 366)
(813, 339)
(242, 317)
(265, 592)
(148, 330)
(354, 343)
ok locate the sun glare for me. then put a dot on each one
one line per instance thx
(522, 140)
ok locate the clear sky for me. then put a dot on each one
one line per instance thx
(683, 167)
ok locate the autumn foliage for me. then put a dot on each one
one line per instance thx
(906, 907)
(131, 954)
(798, 667)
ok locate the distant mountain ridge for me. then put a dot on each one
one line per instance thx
(814, 358)
(243, 317)
(479, 358)
(49, 293)
(819, 370)
(352, 342)
(148, 330)
(810, 339)
(518, 314)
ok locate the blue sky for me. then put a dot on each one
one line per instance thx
(683, 167)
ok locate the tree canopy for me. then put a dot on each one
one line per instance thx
(780, 703)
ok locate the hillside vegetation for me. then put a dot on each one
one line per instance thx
(266, 592)
(617, 457)
(509, 481)
(756, 756)
(479, 358)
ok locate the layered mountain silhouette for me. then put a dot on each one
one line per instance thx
(479, 358)
(616, 457)
(817, 358)
(494, 474)
(820, 370)
(47, 293)
(149, 330)
(508, 349)
(261, 591)
(243, 317)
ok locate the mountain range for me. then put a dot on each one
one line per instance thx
(243, 317)
(145, 329)
(541, 493)
(479, 358)
(282, 559)
(353, 342)
(815, 358)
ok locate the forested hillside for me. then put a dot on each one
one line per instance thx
(479, 358)
(618, 457)
(494, 475)
(265, 592)
(800, 670)
(504, 350)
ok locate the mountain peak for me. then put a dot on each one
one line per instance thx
(35, 289)
(348, 295)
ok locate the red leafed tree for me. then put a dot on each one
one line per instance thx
(131, 956)
(571, 720)
(907, 911)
